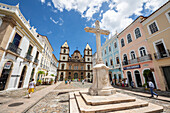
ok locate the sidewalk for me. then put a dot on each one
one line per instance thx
(143, 94)
(26, 102)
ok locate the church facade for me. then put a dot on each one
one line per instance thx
(75, 67)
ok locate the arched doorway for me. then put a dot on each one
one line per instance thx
(61, 77)
(5, 74)
(115, 78)
(32, 74)
(149, 77)
(110, 77)
(138, 79)
(75, 75)
(21, 80)
(129, 77)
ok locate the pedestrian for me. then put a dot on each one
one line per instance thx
(132, 84)
(151, 86)
(70, 81)
(83, 82)
(31, 87)
(126, 82)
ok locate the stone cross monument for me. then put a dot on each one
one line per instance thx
(101, 84)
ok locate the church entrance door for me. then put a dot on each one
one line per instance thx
(75, 75)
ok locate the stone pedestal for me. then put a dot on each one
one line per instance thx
(101, 84)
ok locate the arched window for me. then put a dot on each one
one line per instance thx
(117, 60)
(111, 62)
(64, 50)
(62, 66)
(142, 51)
(88, 67)
(106, 63)
(122, 42)
(125, 61)
(88, 52)
(129, 39)
(109, 49)
(132, 53)
(137, 33)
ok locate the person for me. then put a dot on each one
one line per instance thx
(31, 87)
(70, 81)
(132, 84)
(126, 82)
(151, 86)
(83, 82)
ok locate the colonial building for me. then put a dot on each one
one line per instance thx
(110, 55)
(135, 54)
(157, 32)
(48, 62)
(76, 66)
(20, 49)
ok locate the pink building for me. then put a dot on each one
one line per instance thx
(135, 54)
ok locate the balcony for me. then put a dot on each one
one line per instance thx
(14, 48)
(36, 61)
(28, 57)
(138, 60)
(164, 54)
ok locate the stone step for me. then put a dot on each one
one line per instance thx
(73, 104)
(84, 108)
(151, 108)
(102, 100)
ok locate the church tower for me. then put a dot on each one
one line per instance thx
(64, 57)
(88, 61)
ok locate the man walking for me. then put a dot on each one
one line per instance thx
(31, 87)
(151, 85)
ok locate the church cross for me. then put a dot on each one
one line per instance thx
(98, 31)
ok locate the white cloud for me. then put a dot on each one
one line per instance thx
(55, 22)
(42, 1)
(49, 4)
(117, 17)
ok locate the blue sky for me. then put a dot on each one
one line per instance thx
(62, 20)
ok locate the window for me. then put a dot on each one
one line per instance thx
(137, 33)
(111, 62)
(88, 59)
(122, 42)
(125, 61)
(142, 51)
(88, 67)
(129, 39)
(63, 58)
(153, 28)
(106, 63)
(37, 54)
(81, 73)
(16, 40)
(29, 50)
(88, 52)
(62, 66)
(82, 67)
(109, 49)
(105, 51)
(132, 53)
(69, 73)
(117, 60)
(115, 45)
(69, 66)
(88, 75)
(64, 50)
(61, 73)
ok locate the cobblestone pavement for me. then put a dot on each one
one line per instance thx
(56, 102)
(165, 104)
(19, 92)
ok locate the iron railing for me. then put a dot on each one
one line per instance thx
(28, 57)
(138, 60)
(12, 47)
(163, 54)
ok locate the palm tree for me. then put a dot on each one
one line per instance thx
(40, 73)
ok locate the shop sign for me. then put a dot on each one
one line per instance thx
(8, 65)
(131, 67)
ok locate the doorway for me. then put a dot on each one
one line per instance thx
(75, 75)
(115, 78)
(5, 74)
(166, 71)
(32, 74)
(138, 79)
(21, 81)
(129, 77)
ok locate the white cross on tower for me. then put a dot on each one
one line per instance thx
(98, 31)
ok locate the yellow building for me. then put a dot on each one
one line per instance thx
(157, 32)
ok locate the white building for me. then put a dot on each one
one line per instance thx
(20, 49)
